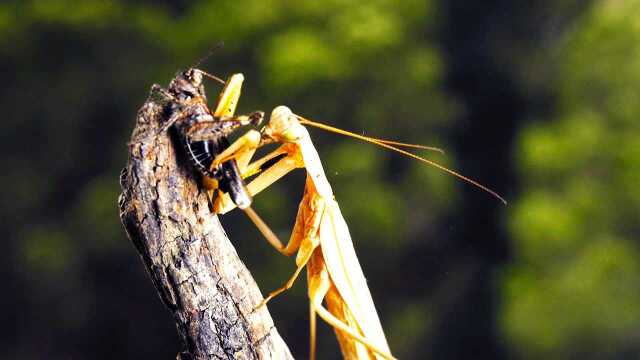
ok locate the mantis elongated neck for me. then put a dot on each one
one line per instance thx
(314, 165)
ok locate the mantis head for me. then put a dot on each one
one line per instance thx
(283, 126)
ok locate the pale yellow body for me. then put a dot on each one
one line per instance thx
(320, 236)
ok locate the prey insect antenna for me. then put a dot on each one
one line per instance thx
(386, 144)
(213, 77)
(215, 48)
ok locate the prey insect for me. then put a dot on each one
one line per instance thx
(203, 134)
(320, 236)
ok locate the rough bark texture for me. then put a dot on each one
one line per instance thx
(191, 261)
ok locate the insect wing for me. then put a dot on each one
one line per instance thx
(346, 273)
(350, 349)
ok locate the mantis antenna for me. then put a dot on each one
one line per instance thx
(401, 144)
(387, 144)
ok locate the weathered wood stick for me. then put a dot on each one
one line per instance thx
(192, 263)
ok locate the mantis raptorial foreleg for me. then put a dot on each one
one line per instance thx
(240, 150)
(263, 163)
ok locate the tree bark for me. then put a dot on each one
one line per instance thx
(192, 263)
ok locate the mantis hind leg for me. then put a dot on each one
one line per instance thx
(304, 239)
(338, 324)
(320, 286)
(312, 332)
(286, 286)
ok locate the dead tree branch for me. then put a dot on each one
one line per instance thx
(192, 263)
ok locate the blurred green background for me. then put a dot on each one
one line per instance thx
(536, 99)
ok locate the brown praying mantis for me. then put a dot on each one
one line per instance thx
(320, 236)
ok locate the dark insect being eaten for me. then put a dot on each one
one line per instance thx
(204, 135)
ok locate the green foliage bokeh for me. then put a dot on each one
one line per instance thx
(573, 286)
(75, 73)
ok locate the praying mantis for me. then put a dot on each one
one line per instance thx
(320, 237)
